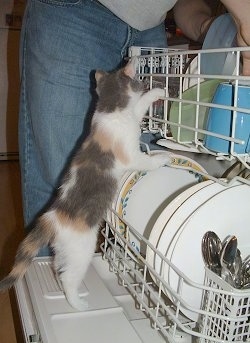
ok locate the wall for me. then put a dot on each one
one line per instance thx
(11, 12)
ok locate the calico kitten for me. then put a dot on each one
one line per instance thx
(88, 188)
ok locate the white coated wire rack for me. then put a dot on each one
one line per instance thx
(184, 116)
(220, 313)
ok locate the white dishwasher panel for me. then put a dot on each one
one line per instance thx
(112, 315)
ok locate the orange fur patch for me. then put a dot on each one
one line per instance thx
(77, 224)
(106, 144)
(120, 153)
(103, 139)
(19, 269)
(47, 225)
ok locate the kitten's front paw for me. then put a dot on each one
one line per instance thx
(158, 93)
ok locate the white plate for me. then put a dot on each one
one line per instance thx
(172, 229)
(145, 194)
(203, 196)
(120, 204)
(124, 182)
(193, 70)
(164, 217)
(226, 212)
(121, 184)
(129, 179)
(150, 195)
(173, 225)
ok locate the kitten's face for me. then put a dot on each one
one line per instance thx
(115, 89)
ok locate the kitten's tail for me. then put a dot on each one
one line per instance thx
(40, 236)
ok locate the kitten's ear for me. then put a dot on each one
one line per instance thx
(130, 69)
(99, 75)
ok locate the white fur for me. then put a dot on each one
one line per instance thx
(73, 253)
(124, 127)
(74, 249)
(70, 184)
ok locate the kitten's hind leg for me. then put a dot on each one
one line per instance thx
(74, 252)
(71, 285)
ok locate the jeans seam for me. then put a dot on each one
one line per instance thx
(27, 130)
(60, 3)
(127, 42)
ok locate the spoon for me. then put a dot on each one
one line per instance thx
(214, 248)
(237, 267)
(245, 269)
(227, 259)
(211, 246)
(246, 285)
(204, 249)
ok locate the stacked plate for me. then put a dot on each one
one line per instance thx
(143, 195)
(178, 232)
(173, 208)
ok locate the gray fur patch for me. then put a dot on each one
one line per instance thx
(113, 91)
(94, 188)
(7, 282)
(93, 154)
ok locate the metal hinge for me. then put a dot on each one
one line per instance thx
(35, 338)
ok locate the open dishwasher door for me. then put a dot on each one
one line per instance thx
(46, 316)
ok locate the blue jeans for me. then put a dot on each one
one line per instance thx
(63, 43)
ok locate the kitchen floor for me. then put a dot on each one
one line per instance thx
(11, 233)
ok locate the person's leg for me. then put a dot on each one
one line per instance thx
(62, 44)
(155, 37)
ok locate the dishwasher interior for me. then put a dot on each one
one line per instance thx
(155, 287)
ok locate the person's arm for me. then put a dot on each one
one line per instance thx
(193, 17)
(240, 11)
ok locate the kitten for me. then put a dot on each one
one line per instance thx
(71, 223)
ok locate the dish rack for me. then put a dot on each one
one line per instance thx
(224, 312)
(177, 72)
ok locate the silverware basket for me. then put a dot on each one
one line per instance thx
(227, 310)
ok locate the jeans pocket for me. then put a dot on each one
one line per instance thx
(63, 3)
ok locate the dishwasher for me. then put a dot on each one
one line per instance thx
(153, 285)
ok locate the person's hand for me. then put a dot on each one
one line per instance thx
(245, 54)
(240, 11)
(194, 17)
